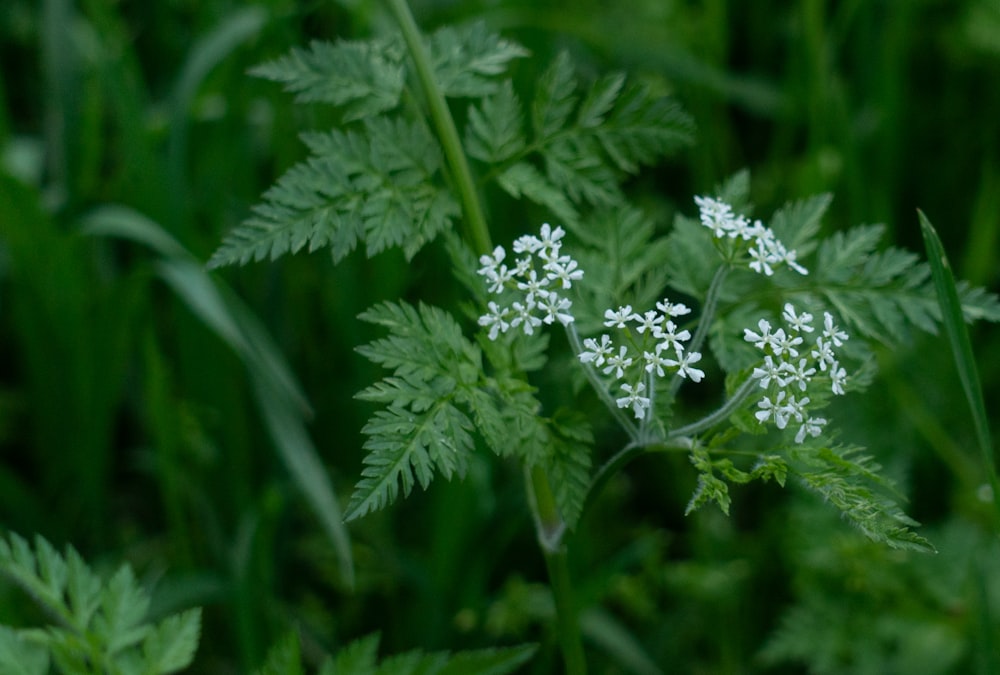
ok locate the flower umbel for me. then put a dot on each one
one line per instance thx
(765, 250)
(534, 284)
(786, 373)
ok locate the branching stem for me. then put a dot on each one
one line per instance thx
(598, 386)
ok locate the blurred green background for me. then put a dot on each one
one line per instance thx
(131, 384)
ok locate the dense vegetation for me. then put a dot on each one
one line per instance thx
(204, 428)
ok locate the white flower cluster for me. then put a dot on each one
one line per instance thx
(766, 250)
(658, 349)
(538, 276)
(790, 366)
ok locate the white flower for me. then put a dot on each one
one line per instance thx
(673, 309)
(563, 269)
(619, 317)
(789, 257)
(656, 362)
(490, 262)
(527, 243)
(556, 309)
(650, 321)
(811, 427)
(522, 266)
(670, 337)
(770, 371)
(800, 373)
(549, 239)
(761, 260)
(496, 319)
(796, 408)
(597, 353)
(685, 369)
(823, 353)
(775, 410)
(831, 332)
(635, 399)
(534, 286)
(524, 317)
(715, 214)
(838, 376)
(760, 340)
(798, 322)
(786, 344)
(619, 363)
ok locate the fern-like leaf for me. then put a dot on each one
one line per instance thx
(849, 480)
(360, 657)
(100, 626)
(422, 431)
(364, 78)
(582, 141)
(881, 293)
(379, 186)
(466, 59)
(568, 463)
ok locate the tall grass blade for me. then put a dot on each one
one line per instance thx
(961, 348)
(277, 393)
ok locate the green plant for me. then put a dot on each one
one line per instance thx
(97, 626)
(400, 174)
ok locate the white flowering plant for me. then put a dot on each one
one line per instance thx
(766, 318)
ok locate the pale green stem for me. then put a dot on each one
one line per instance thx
(444, 123)
(710, 420)
(678, 439)
(705, 322)
(598, 386)
(550, 528)
(549, 523)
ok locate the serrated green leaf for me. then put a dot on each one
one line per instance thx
(380, 186)
(797, 224)
(403, 443)
(642, 128)
(172, 644)
(465, 59)
(494, 132)
(850, 481)
(360, 657)
(123, 607)
(554, 98)
(569, 463)
(883, 294)
(364, 77)
(283, 658)
(422, 431)
(599, 100)
(83, 589)
(488, 661)
(21, 657)
(523, 179)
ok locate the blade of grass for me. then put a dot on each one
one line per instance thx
(961, 348)
(278, 395)
(205, 54)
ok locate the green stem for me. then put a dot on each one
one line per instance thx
(678, 439)
(705, 322)
(475, 222)
(598, 386)
(550, 527)
(713, 418)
